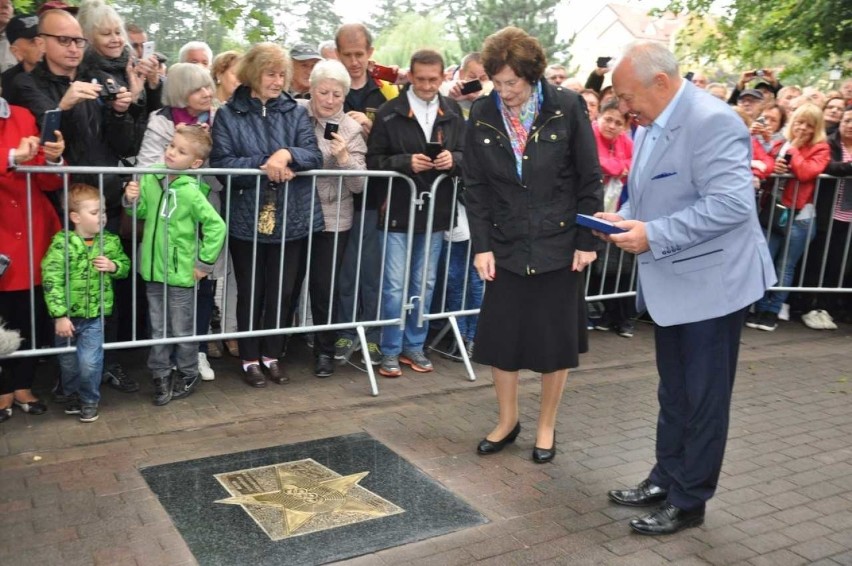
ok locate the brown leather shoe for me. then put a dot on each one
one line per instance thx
(233, 348)
(253, 376)
(276, 374)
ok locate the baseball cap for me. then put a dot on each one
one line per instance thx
(753, 92)
(304, 52)
(22, 26)
(56, 5)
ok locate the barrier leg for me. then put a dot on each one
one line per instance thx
(362, 336)
(462, 349)
(433, 345)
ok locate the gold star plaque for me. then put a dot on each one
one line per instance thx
(301, 497)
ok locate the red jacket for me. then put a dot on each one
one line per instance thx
(14, 215)
(759, 154)
(806, 165)
(614, 155)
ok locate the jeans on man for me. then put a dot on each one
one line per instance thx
(364, 300)
(170, 312)
(81, 370)
(411, 339)
(801, 234)
(457, 298)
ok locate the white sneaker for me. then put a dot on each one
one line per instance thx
(813, 320)
(784, 313)
(204, 368)
(827, 321)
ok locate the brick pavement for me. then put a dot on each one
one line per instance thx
(71, 494)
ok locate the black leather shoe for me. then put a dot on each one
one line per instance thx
(276, 374)
(492, 447)
(544, 455)
(643, 494)
(324, 366)
(667, 520)
(253, 376)
(5, 414)
(33, 408)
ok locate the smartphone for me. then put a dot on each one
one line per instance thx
(471, 86)
(50, 122)
(689, 76)
(761, 120)
(384, 73)
(148, 49)
(787, 157)
(433, 149)
(759, 73)
(603, 62)
(4, 263)
(330, 128)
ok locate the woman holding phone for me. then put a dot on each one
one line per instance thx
(343, 147)
(23, 213)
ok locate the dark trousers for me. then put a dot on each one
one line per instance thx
(697, 363)
(18, 373)
(835, 241)
(322, 287)
(204, 303)
(258, 305)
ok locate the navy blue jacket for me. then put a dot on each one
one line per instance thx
(245, 134)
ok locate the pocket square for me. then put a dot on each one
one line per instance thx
(663, 175)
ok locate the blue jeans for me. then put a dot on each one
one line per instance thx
(394, 339)
(367, 294)
(456, 298)
(81, 370)
(801, 235)
(170, 314)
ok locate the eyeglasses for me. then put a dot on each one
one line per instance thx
(65, 40)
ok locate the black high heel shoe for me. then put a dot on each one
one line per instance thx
(544, 455)
(487, 447)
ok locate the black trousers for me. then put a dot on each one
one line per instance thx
(322, 287)
(18, 373)
(697, 363)
(264, 303)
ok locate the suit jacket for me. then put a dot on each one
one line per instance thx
(708, 256)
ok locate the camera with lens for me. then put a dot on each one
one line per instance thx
(109, 90)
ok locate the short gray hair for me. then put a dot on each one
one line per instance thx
(333, 70)
(95, 15)
(184, 79)
(649, 58)
(327, 44)
(191, 46)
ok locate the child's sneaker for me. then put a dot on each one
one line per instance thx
(207, 373)
(88, 413)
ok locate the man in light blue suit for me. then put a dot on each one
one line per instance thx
(690, 218)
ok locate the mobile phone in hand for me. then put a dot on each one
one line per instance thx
(50, 122)
(787, 157)
(148, 49)
(471, 86)
(603, 62)
(384, 73)
(330, 128)
(688, 76)
(433, 149)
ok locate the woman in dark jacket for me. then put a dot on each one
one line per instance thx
(262, 127)
(530, 166)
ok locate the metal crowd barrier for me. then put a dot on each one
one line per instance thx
(612, 276)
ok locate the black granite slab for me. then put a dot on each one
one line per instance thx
(220, 534)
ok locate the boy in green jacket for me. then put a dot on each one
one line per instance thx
(77, 267)
(172, 257)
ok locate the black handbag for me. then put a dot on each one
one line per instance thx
(776, 217)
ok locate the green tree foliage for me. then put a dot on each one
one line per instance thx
(474, 20)
(751, 30)
(320, 21)
(387, 14)
(395, 45)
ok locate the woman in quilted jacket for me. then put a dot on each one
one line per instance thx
(270, 216)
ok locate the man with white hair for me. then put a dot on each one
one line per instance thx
(196, 52)
(703, 259)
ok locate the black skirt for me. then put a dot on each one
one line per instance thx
(534, 322)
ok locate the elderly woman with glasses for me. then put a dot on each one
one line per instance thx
(262, 127)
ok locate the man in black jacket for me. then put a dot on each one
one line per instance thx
(98, 130)
(398, 142)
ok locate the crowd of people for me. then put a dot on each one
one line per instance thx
(346, 238)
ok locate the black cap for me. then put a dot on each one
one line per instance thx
(753, 92)
(23, 26)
